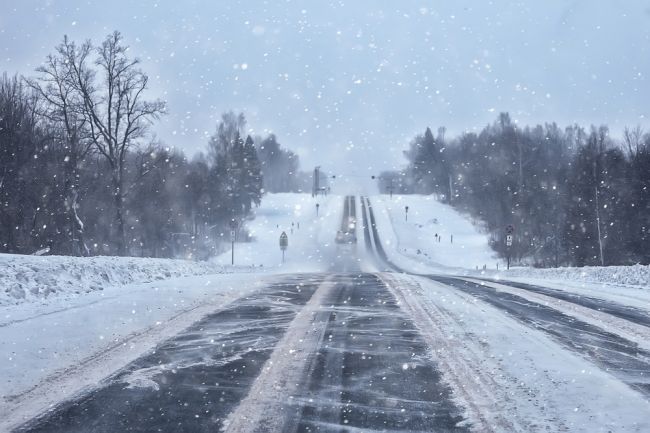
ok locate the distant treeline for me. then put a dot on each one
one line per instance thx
(574, 196)
(81, 174)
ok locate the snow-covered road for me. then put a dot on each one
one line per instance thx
(375, 337)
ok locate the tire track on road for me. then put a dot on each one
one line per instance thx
(620, 357)
(625, 312)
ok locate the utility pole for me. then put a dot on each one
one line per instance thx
(316, 183)
(600, 239)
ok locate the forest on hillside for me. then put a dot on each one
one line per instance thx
(574, 196)
(82, 173)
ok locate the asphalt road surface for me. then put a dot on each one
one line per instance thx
(368, 370)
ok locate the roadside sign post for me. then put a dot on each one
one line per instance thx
(233, 235)
(284, 243)
(406, 213)
(509, 231)
(232, 247)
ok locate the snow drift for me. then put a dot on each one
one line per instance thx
(36, 278)
(636, 275)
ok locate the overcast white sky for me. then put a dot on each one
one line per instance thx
(347, 83)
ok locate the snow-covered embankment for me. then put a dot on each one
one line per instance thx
(41, 278)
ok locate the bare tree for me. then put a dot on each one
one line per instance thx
(633, 139)
(230, 126)
(113, 106)
(62, 106)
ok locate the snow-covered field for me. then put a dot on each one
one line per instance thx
(311, 237)
(413, 244)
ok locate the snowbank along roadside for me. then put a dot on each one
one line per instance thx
(41, 278)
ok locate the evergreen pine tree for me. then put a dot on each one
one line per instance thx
(252, 186)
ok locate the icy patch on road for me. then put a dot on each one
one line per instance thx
(144, 378)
